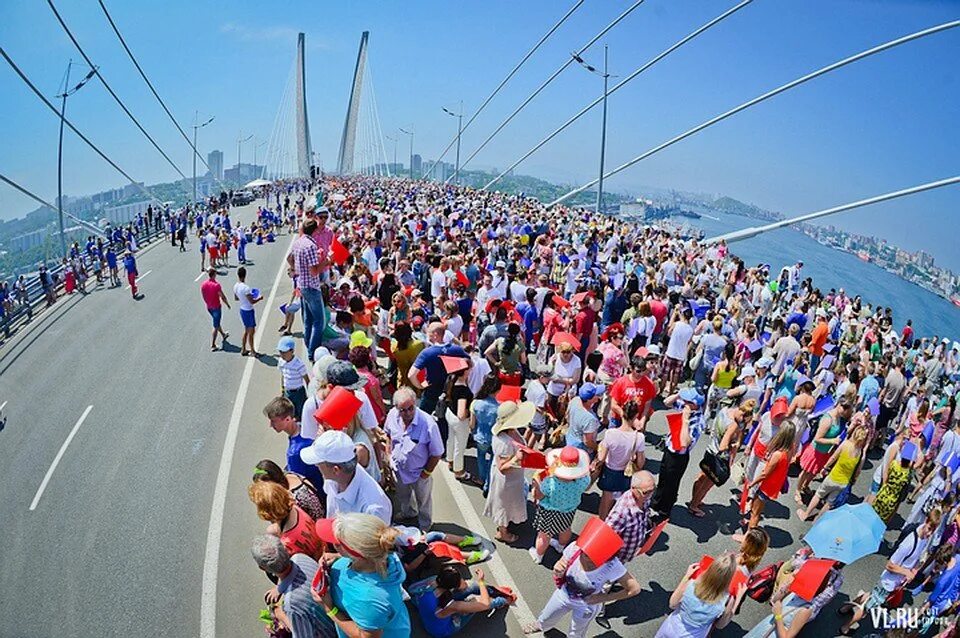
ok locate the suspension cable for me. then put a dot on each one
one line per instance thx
(556, 26)
(110, 90)
(155, 94)
(676, 45)
(72, 127)
(546, 82)
(761, 98)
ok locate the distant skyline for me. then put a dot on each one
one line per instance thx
(882, 124)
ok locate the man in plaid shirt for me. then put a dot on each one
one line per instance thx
(307, 263)
(630, 516)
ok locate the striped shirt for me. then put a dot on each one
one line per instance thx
(293, 372)
(305, 255)
(307, 618)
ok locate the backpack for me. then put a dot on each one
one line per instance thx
(760, 585)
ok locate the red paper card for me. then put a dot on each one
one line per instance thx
(675, 423)
(532, 459)
(338, 252)
(654, 535)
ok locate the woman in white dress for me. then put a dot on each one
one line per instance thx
(507, 499)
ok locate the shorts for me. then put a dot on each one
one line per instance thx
(613, 480)
(875, 487)
(829, 490)
(672, 369)
(216, 314)
(878, 596)
(552, 522)
(249, 318)
(214, 253)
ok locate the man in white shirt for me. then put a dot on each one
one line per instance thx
(438, 280)
(499, 279)
(347, 490)
(244, 295)
(786, 349)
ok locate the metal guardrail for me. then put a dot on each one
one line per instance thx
(23, 312)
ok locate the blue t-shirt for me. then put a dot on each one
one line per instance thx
(372, 601)
(429, 360)
(130, 264)
(295, 463)
(111, 259)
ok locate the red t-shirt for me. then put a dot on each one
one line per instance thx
(210, 289)
(625, 389)
(659, 310)
(583, 323)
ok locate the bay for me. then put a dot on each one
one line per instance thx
(831, 268)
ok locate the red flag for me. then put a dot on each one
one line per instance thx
(338, 252)
(745, 496)
(675, 422)
(654, 535)
(462, 278)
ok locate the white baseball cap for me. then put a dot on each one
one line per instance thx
(332, 446)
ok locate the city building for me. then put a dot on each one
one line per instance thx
(417, 165)
(125, 213)
(27, 241)
(242, 174)
(215, 162)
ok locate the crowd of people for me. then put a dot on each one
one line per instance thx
(562, 346)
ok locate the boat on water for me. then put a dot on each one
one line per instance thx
(864, 256)
(956, 301)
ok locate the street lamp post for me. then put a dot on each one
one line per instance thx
(196, 119)
(410, 133)
(67, 92)
(459, 116)
(240, 141)
(255, 147)
(394, 140)
(603, 126)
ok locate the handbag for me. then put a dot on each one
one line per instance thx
(761, 584)
(716, 467)
(631, 467)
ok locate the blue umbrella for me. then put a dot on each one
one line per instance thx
(847, 533)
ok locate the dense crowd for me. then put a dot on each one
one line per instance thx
(438, 319)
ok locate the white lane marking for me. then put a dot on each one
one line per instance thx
(56, 460)
(211, 558)
(3, 405)
(141, 277)
(497, 567)
(202, 273)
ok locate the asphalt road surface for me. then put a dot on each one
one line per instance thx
(129, 447)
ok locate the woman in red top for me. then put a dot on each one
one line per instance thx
(551, 323)
(294, 526)
(770, 481)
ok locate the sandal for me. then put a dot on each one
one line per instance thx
(244, 353)
(508, 539)
(696, 511)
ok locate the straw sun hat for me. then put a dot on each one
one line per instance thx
(513, 416)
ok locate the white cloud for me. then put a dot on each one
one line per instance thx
(266, 34)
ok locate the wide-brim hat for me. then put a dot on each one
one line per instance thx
(568, 463)
(512, 415)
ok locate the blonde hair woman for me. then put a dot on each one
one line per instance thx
(703, 603)
(843, 466)
(364, 596)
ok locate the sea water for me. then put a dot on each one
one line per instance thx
(832, 268)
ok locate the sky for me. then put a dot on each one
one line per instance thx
(882, 124)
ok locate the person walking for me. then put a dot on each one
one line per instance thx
(212, 293)
(244, 295)
(130, 265)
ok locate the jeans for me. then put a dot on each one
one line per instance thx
(429, 398)
(484, 460)
(314, 319)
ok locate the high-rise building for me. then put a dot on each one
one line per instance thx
(417, 166)
(215, 162)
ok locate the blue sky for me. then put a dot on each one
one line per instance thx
(885, 123)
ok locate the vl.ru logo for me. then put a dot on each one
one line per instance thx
(900, 618)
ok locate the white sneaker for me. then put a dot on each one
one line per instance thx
(537, 558)
(554, 543)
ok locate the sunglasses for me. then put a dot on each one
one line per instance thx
(409, 408)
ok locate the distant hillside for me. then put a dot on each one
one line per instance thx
(541, 189)
(736, 207)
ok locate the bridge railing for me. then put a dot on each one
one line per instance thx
(22, 312)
